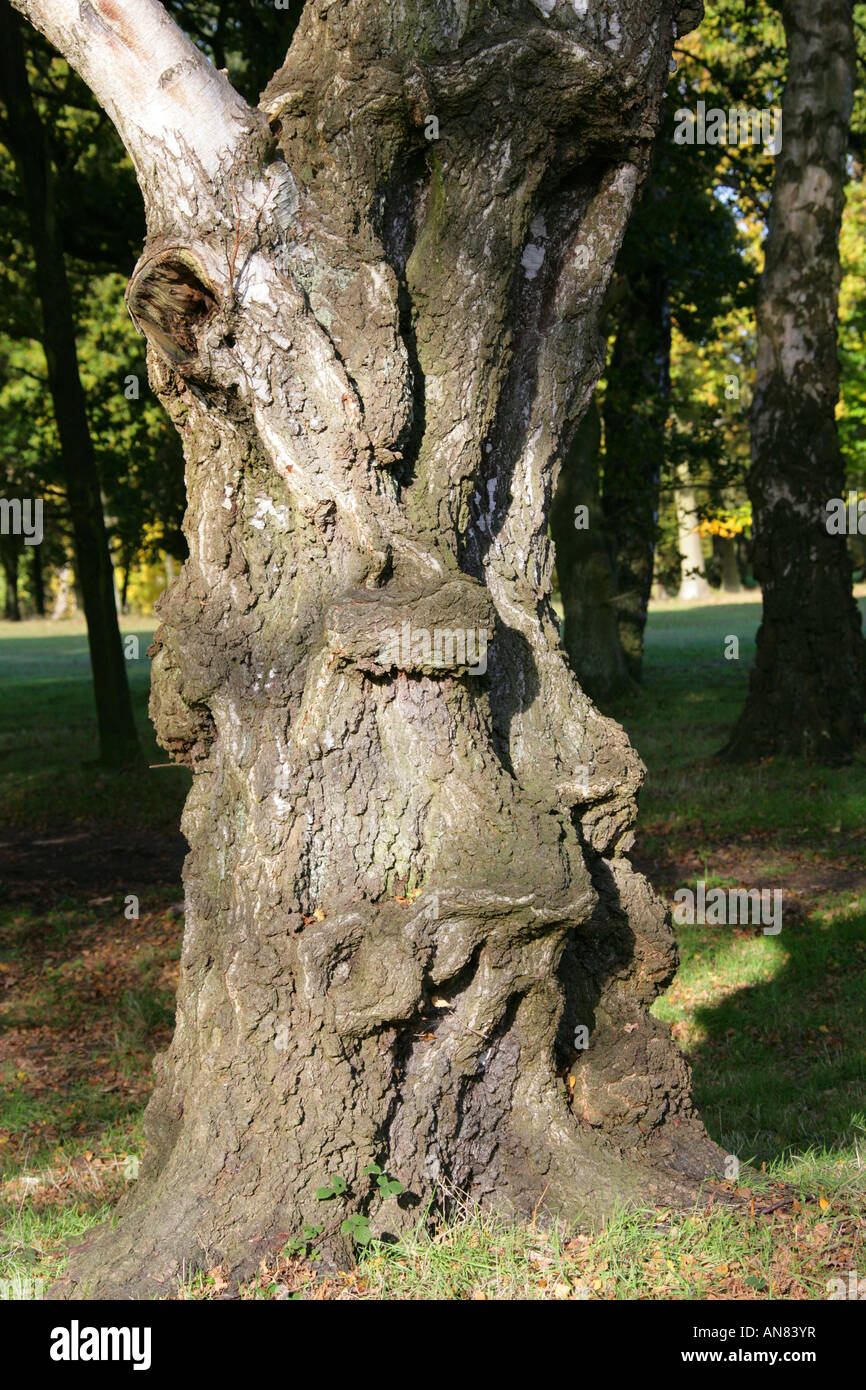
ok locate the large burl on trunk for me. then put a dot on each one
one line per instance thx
(408, 886)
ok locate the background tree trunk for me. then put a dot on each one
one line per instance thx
(37, 580)
(10, 554)
(725, 552)
(807, 692)
(60, 607)
(635, 417)
(694, 583)
(118, 738)
(586, 569)
(408, 884)
(607, 579)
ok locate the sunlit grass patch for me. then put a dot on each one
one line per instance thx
(775, 1028)
(54, 1198)
(48, 736)
(751, 1251)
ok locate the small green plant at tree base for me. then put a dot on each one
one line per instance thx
(389, 1187)
(356, 1226)
(335, 1188)
(301, 1245)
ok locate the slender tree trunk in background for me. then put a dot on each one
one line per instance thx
(725, 551)
(585, 569)
(60, 607)
(37, 579)
(408, 884)
(10, 551)
(807, 691)
(108, 522)
(693, 584)
(635, 417)
(118, 739)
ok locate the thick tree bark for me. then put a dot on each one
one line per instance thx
(408, 883)
(586, 569)
(118, 739)
(807, 692)
(635, 415)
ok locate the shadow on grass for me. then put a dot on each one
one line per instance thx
(778, 1049)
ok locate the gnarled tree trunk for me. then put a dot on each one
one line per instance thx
(807, 693)
(408, 885)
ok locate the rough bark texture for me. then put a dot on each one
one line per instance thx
(808, 687)
(586, 569)
(118, 738)
(408, 885)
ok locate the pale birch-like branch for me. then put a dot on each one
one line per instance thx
(181, 120)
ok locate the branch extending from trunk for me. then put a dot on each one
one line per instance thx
(168, 102)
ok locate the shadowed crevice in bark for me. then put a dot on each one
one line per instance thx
(170, 303)
(404, 201)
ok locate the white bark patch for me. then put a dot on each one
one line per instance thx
(532, 259)
(796, 350)
(166, 100)
(265, 508)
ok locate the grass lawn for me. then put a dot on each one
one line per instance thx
(48, 740)
(773, 1025)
